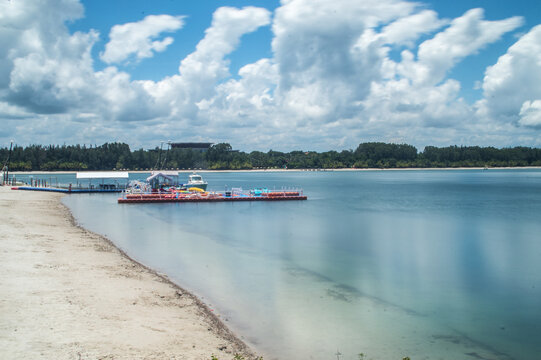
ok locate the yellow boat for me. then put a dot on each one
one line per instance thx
(196, 189)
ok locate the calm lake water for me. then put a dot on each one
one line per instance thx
(425, 264)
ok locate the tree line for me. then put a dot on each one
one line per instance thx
(117, 156)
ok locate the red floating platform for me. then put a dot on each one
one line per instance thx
(207, 197)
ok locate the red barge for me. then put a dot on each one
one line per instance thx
(197, 196)
(164, 187)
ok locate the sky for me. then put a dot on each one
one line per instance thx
(276, 74)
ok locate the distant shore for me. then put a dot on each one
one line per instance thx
(67, 293)
(286, 170)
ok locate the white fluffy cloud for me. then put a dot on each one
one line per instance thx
(413, 93)
(466, 36)
(341, 72)
(139, 38)
(41, 65)
(322, 72)
(57, 78)
(200, 71)
(512, 86)
(208, 64)
(408, 28)
(530, 113)
(27, 27)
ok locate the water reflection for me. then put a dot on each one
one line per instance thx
(432, 264)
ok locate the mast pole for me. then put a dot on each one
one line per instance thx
(6, 165)
(166, 153)
(158, 164)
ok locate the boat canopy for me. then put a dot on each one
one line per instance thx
(164, 172)
(160, 175)
(103, 175)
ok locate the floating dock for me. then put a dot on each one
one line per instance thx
(73, 190)
(179, 197)
(104, 182)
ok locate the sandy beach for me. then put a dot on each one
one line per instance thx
(67, 293)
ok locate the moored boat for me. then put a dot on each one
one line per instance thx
(196, 181)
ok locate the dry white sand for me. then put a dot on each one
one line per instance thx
(67, 293)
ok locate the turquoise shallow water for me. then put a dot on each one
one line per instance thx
(426, 264)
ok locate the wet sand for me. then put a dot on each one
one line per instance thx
(67, 293)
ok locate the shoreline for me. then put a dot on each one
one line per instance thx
(66, 292)
(286, 170)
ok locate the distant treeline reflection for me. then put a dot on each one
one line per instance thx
(111, 156)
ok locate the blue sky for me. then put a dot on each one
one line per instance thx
(287, 75)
